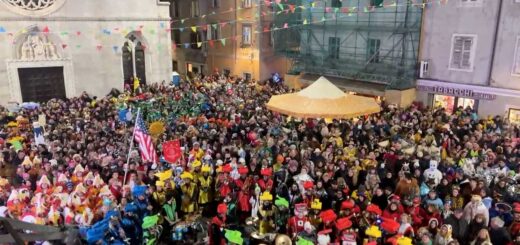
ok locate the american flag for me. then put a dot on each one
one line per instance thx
(142, 137)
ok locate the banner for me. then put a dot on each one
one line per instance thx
(38, 134)
(172, 151)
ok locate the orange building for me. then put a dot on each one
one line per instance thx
(232, 35)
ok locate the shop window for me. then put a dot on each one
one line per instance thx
(465, 103)
(514, 116)
(463, 52)
(444, 101)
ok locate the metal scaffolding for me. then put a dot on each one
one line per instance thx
(363, 40)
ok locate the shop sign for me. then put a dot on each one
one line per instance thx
(458, 92)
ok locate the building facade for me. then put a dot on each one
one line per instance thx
(228, 36)
(470, 56)
(60, 48)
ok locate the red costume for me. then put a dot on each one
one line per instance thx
(514, 229)
(346, 236)
(297, 222)
(266, 183)
(244, 194)
(216, 236)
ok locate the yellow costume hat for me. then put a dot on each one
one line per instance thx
(27, 161)
(164, 175)
(78, 169)
(159, 183)
(373, 231)
(186, 175)
(316, 204)
(105, 191)
(98, 181)
(404, 241)
(206, 168)
(80, 188)
(195, 164)
(44, 180)
(266, 196)
(3, 181)
(89, 176)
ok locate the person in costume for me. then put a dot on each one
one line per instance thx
(328, 218)
(223, 182)
(281, 215)
(189, 194)
(373, 235)
(169, 213)
(346, 235)
(314, 216)
(218, 223)
(266, 183)
(297, 222)
(115, 233)
(243, 184)
(266, 213)
(205, 184)
(514, 228)
(159, 195)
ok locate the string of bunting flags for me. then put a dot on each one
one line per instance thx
(141, 28)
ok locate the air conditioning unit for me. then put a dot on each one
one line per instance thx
(423, 69)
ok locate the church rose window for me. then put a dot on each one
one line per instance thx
(33, 7)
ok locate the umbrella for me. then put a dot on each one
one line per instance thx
(322, 99)
(30, 105)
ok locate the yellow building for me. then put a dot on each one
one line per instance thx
(233, 37)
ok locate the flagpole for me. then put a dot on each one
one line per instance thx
(131, 146)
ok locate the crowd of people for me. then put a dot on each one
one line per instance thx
(247, 175)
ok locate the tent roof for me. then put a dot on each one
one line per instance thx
(322, 89)
(323, 100)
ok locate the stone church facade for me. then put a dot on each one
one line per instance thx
(61, 48)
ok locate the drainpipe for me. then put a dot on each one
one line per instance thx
(495, 40)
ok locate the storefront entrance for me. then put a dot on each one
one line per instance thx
(451, 103)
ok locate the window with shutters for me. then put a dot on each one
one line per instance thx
(470, 3)
(247, 35)
(335, 3)
(247, 3)
(214, 32)
(215, 3)
(376, 3)
(195, 11)
(373, 51)
(516, 61)
(463, 52)
(334, 47)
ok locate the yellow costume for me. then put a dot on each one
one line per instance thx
(205, 187)
(189, 204)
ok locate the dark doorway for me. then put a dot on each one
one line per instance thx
(42, 83)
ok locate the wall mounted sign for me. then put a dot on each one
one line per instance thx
(458, 92)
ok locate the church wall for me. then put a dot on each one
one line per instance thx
(96, 52)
